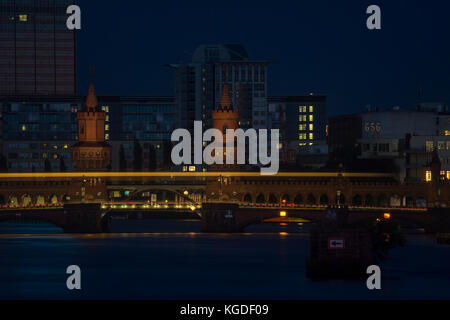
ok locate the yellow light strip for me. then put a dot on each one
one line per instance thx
(46, 175)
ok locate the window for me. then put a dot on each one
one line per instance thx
(302, 109)
(447, 132)
(302, 127)
(448, 175)
(428, 176)
(429, 146)
(311, 118)
(311, 109)
(311, 127)
(192, 169)
(311, 136)
(23, 17)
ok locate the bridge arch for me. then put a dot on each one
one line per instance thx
(53, 199)
(311, 200)
(395, 201)
(298, 200)
(324, 199)
(40, 200)
(382, 200)
(13, 201)
(260, 198)
(285, 199)
(247, 198)
(357, 200)
(26, 200)
(369, 202)
(273, 199)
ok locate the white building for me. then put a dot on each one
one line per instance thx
(409, 137)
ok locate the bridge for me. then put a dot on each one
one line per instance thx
(252, 198)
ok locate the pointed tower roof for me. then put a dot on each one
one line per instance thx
(225, 101)
(91, 99)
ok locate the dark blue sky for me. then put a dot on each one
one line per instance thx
(319, 46)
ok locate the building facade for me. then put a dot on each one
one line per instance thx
(37, 55)
(199, 83)
(405, 138)
(302, 121)
(40, 128)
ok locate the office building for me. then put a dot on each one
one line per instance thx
(40, 128)
(302, 121)
(37, 51)
(199, 83)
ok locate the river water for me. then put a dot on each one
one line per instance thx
(172, 260)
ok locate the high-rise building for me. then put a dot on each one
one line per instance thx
(199, 84)
(37, 50)
(302, 121)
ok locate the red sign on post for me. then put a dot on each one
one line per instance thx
(336, 243)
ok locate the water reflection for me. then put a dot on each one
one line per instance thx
(174, 260)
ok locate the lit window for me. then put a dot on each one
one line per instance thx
(107, 118)
(447, 132)
(311, 127)
(66, 146)
(184, 169)
(23, 17)
(311, 109)
(311, 118)
(107, 136)
(311, 136)
(448, 175)
(192, 169)
(105, 109)
(429, 146)
(428, 176)
(107, 127)
(24, 128)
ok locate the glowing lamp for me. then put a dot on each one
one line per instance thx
(283, 214)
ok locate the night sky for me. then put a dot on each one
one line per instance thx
(319, 46)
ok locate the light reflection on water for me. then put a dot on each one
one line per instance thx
(174, 260)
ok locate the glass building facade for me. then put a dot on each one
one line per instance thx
(35, 129)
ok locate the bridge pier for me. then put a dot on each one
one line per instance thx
(220, 218)
(85, 218)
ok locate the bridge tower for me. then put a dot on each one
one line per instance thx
(226, 117)
(435, 197)
(92, 152)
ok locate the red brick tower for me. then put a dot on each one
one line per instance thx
(226, 117)
(91, 153)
